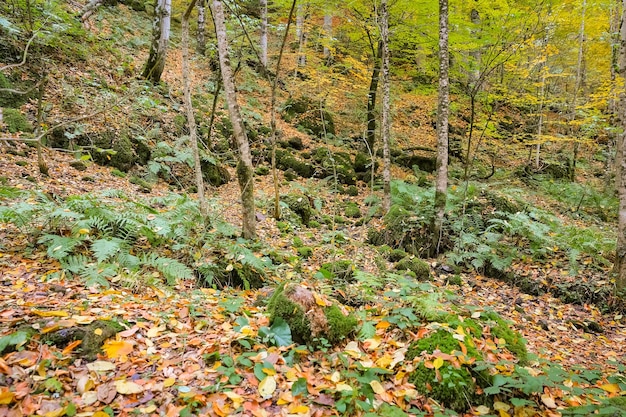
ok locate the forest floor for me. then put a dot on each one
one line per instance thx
(179, 354)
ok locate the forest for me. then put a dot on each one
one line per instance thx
(312, 208)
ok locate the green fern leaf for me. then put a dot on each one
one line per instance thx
(59, 246)
(103, 249)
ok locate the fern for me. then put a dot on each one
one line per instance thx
(170, 268)
(104, 249)
(59, 247)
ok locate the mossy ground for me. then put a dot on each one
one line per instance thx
(415, 265)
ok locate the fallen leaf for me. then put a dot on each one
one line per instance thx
(548, 400)
(343, 387)
(57, 313)
(101, 366)
(127, 387)
(482, 410)
(267, 387)
(377, 387)
(115, 349)
(612, 388)
(6, 396)
(438, 363)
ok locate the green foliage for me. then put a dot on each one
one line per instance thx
(278, 334)
(15, 339)
(501, 329)
(419, 268)
(15, 121)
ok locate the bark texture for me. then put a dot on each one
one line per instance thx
(443, 110)
(245, 171)
(386, 117)
(160, 37)
(191, 120)
(619, 268)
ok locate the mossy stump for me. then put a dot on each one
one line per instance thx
(309, 321)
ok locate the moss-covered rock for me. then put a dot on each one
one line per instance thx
(287, 161)
(403, 229)
(15, 121)
(395, 255)
(339, 270)
(304, 112)
(92, 337)
(300, 205)
(351, 190)
(309, 322)
(420, 268)
(453, 384)
(500, 329)
(352, 210)
(214, 174)
(334, 163)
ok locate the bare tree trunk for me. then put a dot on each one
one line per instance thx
(191, 120)
(301, 35)
(614, 26)
(619, 267)
(619, 148)
(371, 99)
(474, 75)
(245, 171)
(89, 9)
(542, 96)
(386, 116)
(328, 33)
(264, 32)
(443, 111)
(273, 114)
(200, 37)
(577, 86)
(160, 38)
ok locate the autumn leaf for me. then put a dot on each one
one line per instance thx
(115, 349)
(612, 388)
(267, 387)
(127, 387)
(101, 366)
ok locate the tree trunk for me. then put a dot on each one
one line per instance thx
(619, 148)
(371, 99)
(577, 85)
(301, 35)
(245, 172)
(619, 268)
(443, 110)
(191, 120)
(160, 36)
(328, 33)
(264, 33)
(200, 37)
(386, 116)
(614, 42)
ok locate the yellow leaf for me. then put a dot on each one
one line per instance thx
(83, 231)
(235, 398)
(482, 410)
(50, 313)
(269, 371)
(55, 413)
(84, 319)
(377, 387)
(500, 406)
(116, 349)
(298, 409)
(548, 400)
(127, 387)
(98, 332)
(612, 388)
(169, 382)
(100, 414)
(101, 366)
(267, 387)
(149, 409)
(6, 397)
(343, 387)
(383, 325)
(373, 343)
(460, 331)
(154, 331)
(319, 300)
(438, 363)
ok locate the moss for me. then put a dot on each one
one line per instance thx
(307, 320)
(314, 224)
(305, 252)
(351, 190)
(214, 174)
(92, 336)
(300, 205)
(335, 163)
(395, 255)
(305, 112)
(78, 165)
(515, 343)
(286, 161)
(420, 268)
(339, 270)
(144, 185)
(455, 280)
(352, 210)
(21, 163)
(15, 121)
(453, 387)
(124, 157)
(261, 170)
(116, 172)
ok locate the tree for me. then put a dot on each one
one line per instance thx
(619, 268)
(160, 38)
(264, 33)
(245, 171)
(191, 120)
(443, 111)
(201, 42)
(386, 121)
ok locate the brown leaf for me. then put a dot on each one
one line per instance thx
(106, 393)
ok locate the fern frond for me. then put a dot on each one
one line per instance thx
(59, 246)
(170, 268)
(104, 249)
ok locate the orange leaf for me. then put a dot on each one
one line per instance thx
(50, 313)
(69, 348)
(6, 397)
(116, 349)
